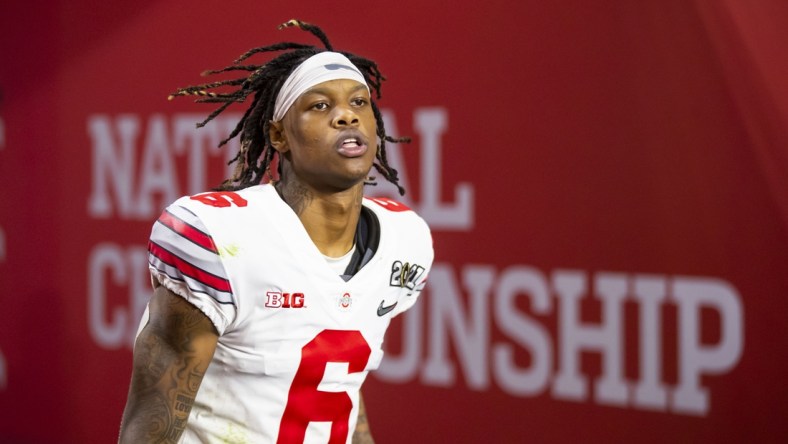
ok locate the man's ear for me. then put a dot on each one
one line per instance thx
(276, 135)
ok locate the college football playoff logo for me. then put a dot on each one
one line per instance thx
(407, 275)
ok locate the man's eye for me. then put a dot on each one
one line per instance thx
(320, 106)
(359, 101)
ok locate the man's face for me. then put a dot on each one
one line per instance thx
(329, 135)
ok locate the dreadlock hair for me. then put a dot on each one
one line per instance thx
(254, 159)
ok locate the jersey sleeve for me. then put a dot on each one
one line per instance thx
(413, 275)
(183, 257)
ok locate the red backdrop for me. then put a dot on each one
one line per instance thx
(606, 182)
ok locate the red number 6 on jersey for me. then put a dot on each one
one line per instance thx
(221, 199)
(305, 403)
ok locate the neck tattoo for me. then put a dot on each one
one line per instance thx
(295, 195)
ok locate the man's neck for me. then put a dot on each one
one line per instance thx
(330, 219)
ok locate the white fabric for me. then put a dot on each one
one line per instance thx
(319, 68)
(263, 249)
(339, 264)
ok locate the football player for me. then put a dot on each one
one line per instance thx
(272, 294)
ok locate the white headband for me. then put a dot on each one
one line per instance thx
(319, 68)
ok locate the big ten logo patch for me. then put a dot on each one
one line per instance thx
(275, 299)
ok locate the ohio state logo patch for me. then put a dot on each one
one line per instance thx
(344, 302)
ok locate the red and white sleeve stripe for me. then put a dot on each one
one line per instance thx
(181, 248)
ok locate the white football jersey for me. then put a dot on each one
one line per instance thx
(295, 340)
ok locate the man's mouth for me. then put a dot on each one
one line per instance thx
(352, 147)
(350, 143)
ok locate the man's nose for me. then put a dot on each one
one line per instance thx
(345, 116)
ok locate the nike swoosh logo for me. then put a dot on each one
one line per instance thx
(383, 311)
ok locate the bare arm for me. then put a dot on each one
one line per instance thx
(171, 356)
(362, 434)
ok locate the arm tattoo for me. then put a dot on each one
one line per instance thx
(362, 434)
(170, 359)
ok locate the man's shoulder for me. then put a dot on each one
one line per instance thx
(219, 211)
(228, 204)
(393, 212)
(399, 222)
(226, 201)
